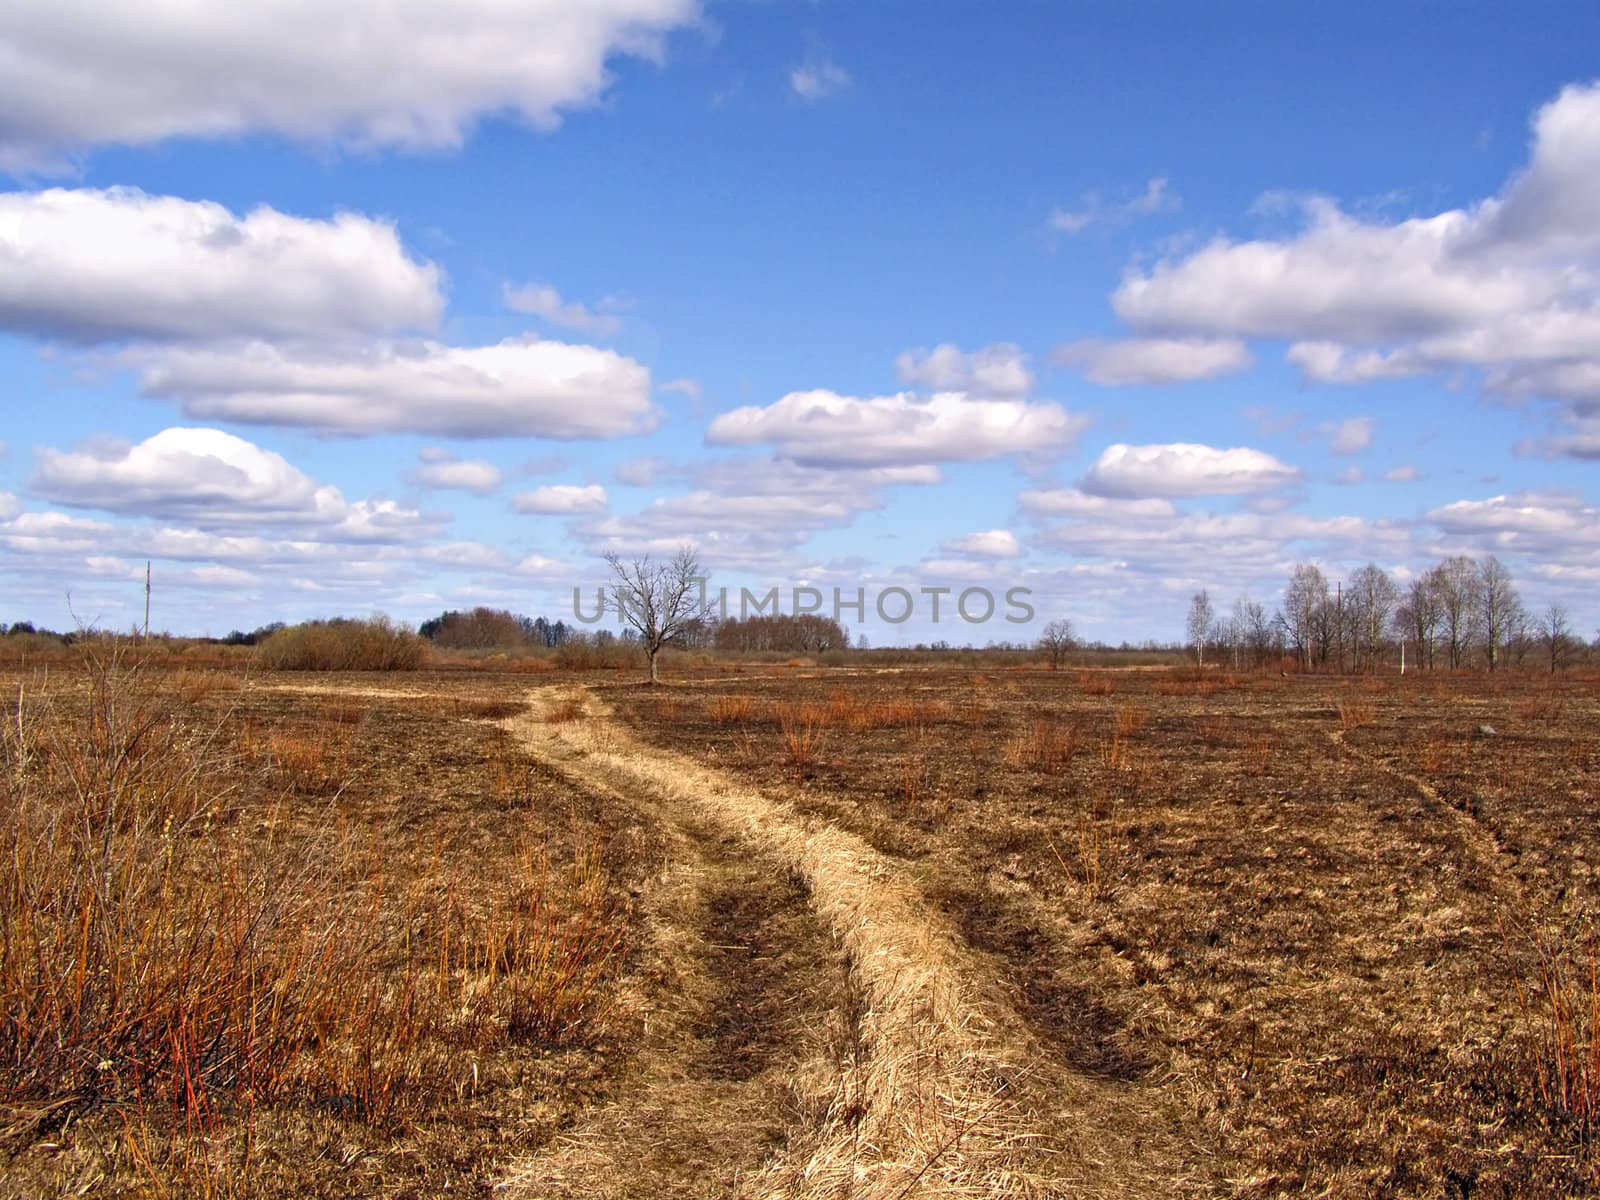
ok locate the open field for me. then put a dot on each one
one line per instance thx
(789, 931)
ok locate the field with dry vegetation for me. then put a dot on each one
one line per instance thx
(798, 931)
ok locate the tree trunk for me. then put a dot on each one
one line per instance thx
(654, 677)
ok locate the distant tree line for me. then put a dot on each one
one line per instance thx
(491, 628)
(1464, 612)
(806, 633)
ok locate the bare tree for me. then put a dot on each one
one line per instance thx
(1500, 612)
(1303, 602)
(1261, 633)
(661, 602)
(1419, 615)
(1555, 634)
(1456, 582)
(1372, 600)
(1057, 639)
(1199, 624)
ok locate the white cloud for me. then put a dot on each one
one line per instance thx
(1156, 198)
(562, 498)
(1505, 286)
(823, 428)
(1350, 476)
(10, 506)
(1154, 360)
(1402, 474)
(441, 469)
(684, 387)
(462, 555)
(214, 479)
(407, 73)
(990, 543)
(1350, 436)
(542, 300)
(641, 472)
(817, 79)
(1184, 469)
(1071, 502)
(1527, 520)
(517, 388)
(751, 513)
(86, 265)
(1329, 362)
(538, 566)
(997, 372)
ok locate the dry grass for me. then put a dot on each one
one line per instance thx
(1355, 714)
(730, 710)
(564, 710)
(1096, 683)
(1045, 744)
(180, 950)
(800, 731)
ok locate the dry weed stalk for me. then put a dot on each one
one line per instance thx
(1355, 714)
(801, 731)
(1560, 1010)
(1046, 744)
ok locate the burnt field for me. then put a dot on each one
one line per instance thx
(782, 930)
(1337, 929)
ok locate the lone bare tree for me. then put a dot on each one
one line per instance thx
(660, 601)
(1056, 639)
(1555, 632)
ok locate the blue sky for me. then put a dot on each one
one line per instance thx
(416, 308)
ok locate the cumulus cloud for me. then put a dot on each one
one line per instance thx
(521, 387)
(1184, 469)
(368, 73)
(181, 470)
(823, 428)
(1402, 474)
(989, 543)
(1559, 522)
(441, 469)
(562, 499)
(997, 372)
(817, 79)
(1505, 286)
(542, 300)
(1095, 210)
(90, 266)
(211, 479)
(1154, 360)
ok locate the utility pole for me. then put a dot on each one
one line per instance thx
(147, 599)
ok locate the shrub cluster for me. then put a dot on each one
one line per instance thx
(343, 644)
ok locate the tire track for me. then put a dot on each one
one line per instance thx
(940, 1090)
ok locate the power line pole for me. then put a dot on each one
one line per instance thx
(147, 599)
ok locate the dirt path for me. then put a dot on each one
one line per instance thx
(916, 1077)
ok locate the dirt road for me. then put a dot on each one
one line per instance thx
(810, 1024)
